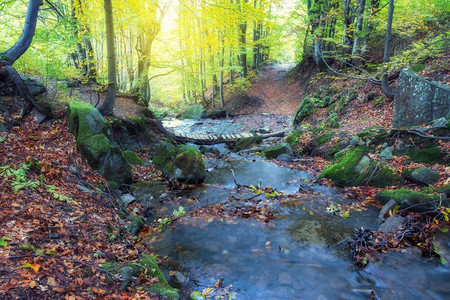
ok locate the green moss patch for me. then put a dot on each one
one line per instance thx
(182, 163)
(410, 199)
(132, 158)
(355, 168)
(429, 155)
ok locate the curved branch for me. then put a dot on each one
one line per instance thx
(22, 44)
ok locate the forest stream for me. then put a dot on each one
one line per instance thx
(290, 250)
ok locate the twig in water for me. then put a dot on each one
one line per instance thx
(234, 178)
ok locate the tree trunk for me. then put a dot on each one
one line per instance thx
(387, 48)
(108, 105)
(357, 43)
(22, 44)
(8, 57)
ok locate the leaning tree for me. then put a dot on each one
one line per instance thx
(8, 57)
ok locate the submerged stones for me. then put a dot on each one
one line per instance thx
(95, 143)
(182, 163)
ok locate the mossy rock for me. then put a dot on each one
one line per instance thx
(429, 155)
(136, 223)
(165, 292)
(305, 109)
(411, 200)
(275, 151)
(132, 158)
(425, 176)
(334, 149)
(355, 168)
(95, 143)
(247, 142)
(182, 163)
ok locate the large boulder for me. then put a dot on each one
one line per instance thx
(277, 150)
(425, 176)
(412, 200)
(419, 101)
(34, 87)
(356, 168)
(95, 143)
(182, 163)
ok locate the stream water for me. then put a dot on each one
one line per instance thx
(294, 256)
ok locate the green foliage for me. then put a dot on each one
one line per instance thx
(51, 189)
(293, 138)
(336, 208)
(268, 192)
(19, 181)
(179, 213)
(4, 241)
(438, 252)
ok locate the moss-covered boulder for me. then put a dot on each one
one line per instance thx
(305, 108)
(412, 200)
(132, 158)
(95, 143)
(356, 168)
(425, 176)
(277, 150)
(182, 163)
(247, 142)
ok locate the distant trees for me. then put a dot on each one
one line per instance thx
(215, 42)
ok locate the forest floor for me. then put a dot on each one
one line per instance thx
(55, 234)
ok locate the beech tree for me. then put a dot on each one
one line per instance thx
(9, 57)
(107, 107)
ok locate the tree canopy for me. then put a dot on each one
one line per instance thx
(193, 51)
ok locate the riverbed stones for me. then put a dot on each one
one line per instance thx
(247, 142)
(390, 205)
(277, 150)
(392, 223)
(182, 163)
(96, 144)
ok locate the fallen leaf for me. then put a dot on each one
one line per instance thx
(51, 281)
(35, 267)
(7, 286)
(33, 284)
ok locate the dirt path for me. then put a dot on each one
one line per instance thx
(278, 95)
